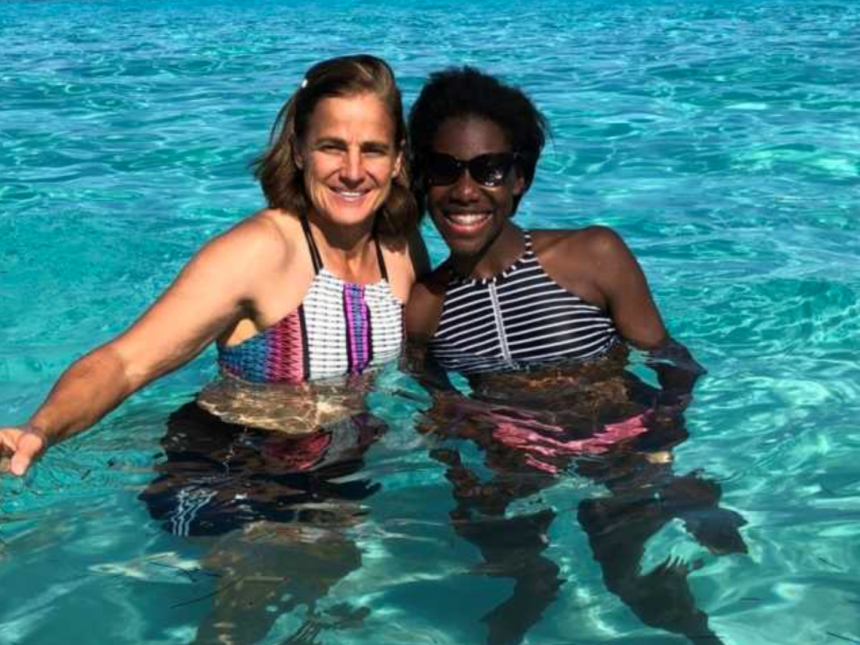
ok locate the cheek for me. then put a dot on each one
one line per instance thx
(504, 202)
(434, 198)
(383, 169)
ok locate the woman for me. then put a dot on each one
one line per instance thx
(508, 298)
(310, 287)
(526, 315)
(538, 322)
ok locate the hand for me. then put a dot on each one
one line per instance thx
(25, 444)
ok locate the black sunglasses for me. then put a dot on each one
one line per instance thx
(488, 170)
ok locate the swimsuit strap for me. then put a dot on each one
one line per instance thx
(316, 258)
(527, 239)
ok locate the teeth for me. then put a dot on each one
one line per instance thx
(468, 219)
(350, 194)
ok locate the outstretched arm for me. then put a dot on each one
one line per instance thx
(210, 293)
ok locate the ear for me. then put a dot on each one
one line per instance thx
(298, 157)
(519, 186)
(398, 162)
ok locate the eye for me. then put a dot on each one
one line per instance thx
(374, 151)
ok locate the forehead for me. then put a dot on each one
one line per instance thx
(356, 117)
(469, 136)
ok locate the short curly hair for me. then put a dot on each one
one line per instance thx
(463, 92)
(276, 169)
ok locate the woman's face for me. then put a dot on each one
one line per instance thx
(470, 212)
(348, 158)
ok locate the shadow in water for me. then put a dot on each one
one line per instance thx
(525, 452)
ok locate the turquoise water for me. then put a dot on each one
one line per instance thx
(722, 140)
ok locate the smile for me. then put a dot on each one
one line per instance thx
(468, 220)
(349, 195)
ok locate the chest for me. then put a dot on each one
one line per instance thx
(517, 320)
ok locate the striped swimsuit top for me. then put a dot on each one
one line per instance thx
(518, 319)
(339, 329)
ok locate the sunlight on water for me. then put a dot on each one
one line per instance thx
(720, 139)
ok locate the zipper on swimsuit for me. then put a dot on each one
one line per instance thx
(500, 324)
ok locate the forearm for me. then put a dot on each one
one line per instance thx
(86, 392)
(677, 371)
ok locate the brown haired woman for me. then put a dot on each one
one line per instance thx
(308, 288)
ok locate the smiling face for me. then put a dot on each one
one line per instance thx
(471, 216)
(348, 158)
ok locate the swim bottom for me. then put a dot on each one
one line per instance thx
(217, 477)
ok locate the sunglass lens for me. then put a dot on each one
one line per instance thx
(490, 170)
(442, 169)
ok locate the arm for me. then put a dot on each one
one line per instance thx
(210, 293)
(629, 301)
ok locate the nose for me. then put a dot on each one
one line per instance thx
(465, 190)
(352, 171)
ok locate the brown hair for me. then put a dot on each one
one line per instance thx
(276, 169)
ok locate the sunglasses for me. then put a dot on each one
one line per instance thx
(488, 170)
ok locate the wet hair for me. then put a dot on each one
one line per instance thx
(281, 178)
(459, 92)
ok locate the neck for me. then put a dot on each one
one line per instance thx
(347, 251)
(501, 252)
(341, 240)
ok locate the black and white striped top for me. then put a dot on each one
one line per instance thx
(515, 320)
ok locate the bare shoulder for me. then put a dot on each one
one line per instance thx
(594, 242)
(583, 260)
(260, 243)
(396, 251)
(407, 261)
(424, 307)
(268, 234)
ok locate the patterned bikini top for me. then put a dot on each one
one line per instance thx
(339, 329)
(518, 319)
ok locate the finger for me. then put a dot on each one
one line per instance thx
(29, 447)
(20, 464)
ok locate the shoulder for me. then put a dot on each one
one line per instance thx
(411, 251)
(587, 251)
(593, 241)
(587, 261)
(263, 240)
(407, 261)
(424, 307)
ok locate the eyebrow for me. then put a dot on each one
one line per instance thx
(371, 146)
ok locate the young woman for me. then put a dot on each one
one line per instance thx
(310, 287)
(538, 322)
(508, 299)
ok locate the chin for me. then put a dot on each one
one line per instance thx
(466, 248)
(349, 217)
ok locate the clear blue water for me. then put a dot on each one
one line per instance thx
(722, 140)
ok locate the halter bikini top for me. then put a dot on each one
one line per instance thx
(517, 319)
(339, 329)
